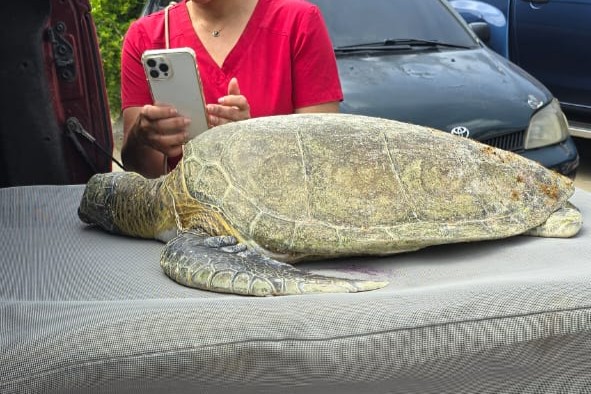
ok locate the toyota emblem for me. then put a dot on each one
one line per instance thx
(461, 131)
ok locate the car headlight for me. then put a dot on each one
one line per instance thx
(548, 126)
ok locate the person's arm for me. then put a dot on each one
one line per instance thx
(149, 133)
(150, 130)
(317, 86)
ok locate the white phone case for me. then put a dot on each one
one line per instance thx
(174, 79)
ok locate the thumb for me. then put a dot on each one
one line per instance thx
(233, 88)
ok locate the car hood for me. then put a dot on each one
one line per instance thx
(474, 88)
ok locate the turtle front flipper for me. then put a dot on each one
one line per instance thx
(188, 260)
(564, 223)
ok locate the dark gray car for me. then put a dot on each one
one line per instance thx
(549, 39)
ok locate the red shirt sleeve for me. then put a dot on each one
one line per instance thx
(315, 74)
(135, 91)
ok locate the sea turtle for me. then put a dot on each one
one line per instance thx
(249, 194)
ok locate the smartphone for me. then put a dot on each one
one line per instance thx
(173, 77)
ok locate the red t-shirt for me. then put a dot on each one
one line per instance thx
(284, 59)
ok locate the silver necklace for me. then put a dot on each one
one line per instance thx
(214, 33)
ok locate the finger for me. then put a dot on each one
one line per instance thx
(170, 145)
(234, 97)
(171, 126)
(174, 151)
(214, 121)
(222, 115)
(158, 111)
(163, 126)
(233, 88)
(237, 101)
(165, 135)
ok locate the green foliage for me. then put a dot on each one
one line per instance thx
(112, 18)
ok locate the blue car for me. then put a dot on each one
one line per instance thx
(549, 39)
(420, 62)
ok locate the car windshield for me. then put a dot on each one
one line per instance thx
(386, 22)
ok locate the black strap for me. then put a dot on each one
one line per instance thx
(74, 130)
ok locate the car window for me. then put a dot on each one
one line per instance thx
(352, 22)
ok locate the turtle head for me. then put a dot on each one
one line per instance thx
(126, 203)
(97, 201)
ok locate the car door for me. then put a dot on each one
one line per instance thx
(551, 41)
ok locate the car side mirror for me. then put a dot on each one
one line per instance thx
(482, 30)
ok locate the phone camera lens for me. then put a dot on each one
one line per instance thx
(151, 63)
(163, 67)
(154, 73)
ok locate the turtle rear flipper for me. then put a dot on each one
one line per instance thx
(188, 260)
(564, 223)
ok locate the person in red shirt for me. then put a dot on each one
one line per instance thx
(255, 57)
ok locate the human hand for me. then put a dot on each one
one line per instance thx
(162, 128)
(230, 108)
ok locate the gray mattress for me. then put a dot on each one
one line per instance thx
(85, 311)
